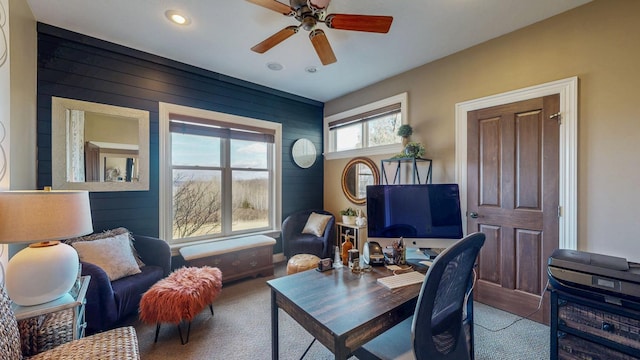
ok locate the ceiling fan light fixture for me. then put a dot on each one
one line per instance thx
(308, 22)
(177, 17)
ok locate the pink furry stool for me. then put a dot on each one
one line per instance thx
(180, 297)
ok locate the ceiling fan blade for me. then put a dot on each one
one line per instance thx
(275, 39)
(321, 44)
(368, 23)
(275, 6)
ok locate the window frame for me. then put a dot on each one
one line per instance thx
(166, 172)
(329, 139)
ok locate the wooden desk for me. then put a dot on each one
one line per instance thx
(340, 309)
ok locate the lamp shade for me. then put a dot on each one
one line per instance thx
(46, 271)
(28, 216)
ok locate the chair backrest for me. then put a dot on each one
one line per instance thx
(9, 333)
(437, 331)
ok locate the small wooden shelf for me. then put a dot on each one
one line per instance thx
(356, 234)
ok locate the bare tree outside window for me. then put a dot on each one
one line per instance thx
(196, 206)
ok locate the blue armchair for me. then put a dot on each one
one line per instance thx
(110, 302)
(295, 242)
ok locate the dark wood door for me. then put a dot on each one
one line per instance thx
(512, 196)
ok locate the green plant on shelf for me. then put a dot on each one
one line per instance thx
(405, 130)
(348, 212)
(412, 150)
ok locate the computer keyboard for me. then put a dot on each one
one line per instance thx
(400, 280)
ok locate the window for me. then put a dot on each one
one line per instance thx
(367, 130)
(219, 175)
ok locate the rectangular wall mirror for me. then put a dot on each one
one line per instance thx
(98, 147)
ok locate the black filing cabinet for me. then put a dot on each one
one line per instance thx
(589, 325)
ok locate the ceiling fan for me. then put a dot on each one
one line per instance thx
(311, 12)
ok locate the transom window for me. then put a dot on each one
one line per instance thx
(220, 177)
(367, 130)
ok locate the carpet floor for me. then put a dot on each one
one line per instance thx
(241, 329)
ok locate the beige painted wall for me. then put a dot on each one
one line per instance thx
(23, 62)
(17, 102)
(598, 42)
(115, 129)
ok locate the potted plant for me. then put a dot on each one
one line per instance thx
(405, 131)
(348, 216)
(414, 150)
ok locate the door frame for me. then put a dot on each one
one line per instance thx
(568, 176)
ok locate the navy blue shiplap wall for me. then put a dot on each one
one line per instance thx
(76, 66)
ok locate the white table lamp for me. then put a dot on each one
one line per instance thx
(47, 269)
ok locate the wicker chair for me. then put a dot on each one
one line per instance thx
(120, 343)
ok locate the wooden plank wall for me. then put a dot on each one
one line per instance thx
(77, 66)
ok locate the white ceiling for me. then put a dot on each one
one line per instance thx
(222, 32)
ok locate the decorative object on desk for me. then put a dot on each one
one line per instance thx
(346, 246)
(47, 269)
(348, 216)
(325, 264)
(399, 251)
(354, 258)
(337, 262)
(405, 131)
(360, 219)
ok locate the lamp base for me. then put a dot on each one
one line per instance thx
(41, 273)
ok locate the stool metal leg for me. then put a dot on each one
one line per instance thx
(188, 332)
(182, 340)
(157, 331)
(180, 332)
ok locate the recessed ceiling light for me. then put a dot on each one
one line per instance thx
(275, 66)
(176, 17)
(311, 69)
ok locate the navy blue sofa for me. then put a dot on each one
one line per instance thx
(109, 303)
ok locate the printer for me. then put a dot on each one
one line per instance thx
(596, 275)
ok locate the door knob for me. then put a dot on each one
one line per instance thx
(473, 215)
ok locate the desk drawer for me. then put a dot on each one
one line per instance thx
(574, 348)
(619, 329)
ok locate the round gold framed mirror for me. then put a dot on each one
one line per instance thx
(357, 174)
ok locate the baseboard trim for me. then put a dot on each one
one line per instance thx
(279, 257)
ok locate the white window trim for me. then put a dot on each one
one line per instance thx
(165, 175)
(376, 150)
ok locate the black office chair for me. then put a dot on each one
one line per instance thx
(435, 331)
